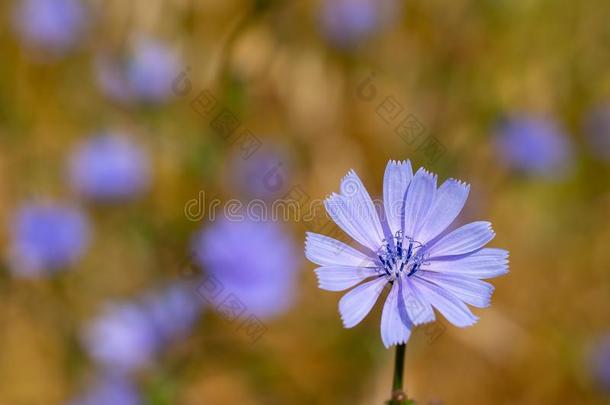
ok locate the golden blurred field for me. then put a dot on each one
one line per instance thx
(457, 67)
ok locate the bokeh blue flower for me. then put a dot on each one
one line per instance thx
(596, 127)
(264, 175)
(109, 167)
(254, 260)
(122, 338)
(346, 23)
(50, 26)
(599, 362)
(109, 390)
(127, 336)
(144, 75)
(534, 146)
(47, 237)
(173, 311)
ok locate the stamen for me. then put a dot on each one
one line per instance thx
(413, 270)
(396, 260)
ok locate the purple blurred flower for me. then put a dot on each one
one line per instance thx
(173, 312)
(109, 167)
(264, 175)
(110, 390)
(535, 146)
(253, 260)
(599, 361)
(50, 26)
(128, 336)
(348, 22)
(413, 252)
(145, 76)
(152, 70)
(47, 237)
(122, 338)
(110, 77)
(597, 131)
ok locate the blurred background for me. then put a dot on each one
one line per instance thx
(120, 122)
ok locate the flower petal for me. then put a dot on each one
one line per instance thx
(463, 240)
(448, 304)
(485, 263)
(362, 208)
(339, 278)
(357, 219)
(357, 303)
(418, 307)
(396, 180)
(470, 290)
(450, 199)
(326, 251)
(395, 324)
(419, 200)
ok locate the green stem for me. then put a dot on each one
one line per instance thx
(399, 365)
(399, 397)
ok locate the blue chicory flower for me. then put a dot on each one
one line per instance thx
(128, 336)
(173, 312)
(410, 250)
(534, 146)
(253, 260)
(264, 175)
(597, 131)
(599, 362)
(110, 389)
(346, 23)
(109, 167)
(122, 338)
(47, 237)
(50, 26)
(145, 76)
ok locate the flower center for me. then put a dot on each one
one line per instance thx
(401, 256)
